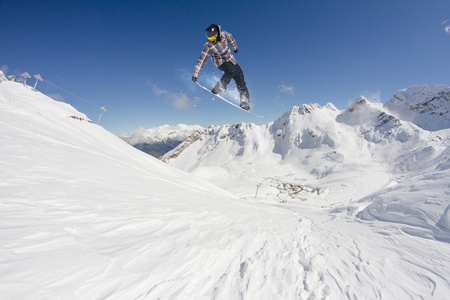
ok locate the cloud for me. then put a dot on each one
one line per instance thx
(446, 24)
(287, 89)
(372, 96)
(4, 69)
(158, 92)
(178, 100)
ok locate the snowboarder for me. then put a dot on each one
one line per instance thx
(217, 47)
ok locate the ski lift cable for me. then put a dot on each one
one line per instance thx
(88, 102)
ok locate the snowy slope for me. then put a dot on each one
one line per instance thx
(86, 216)
(83, 215)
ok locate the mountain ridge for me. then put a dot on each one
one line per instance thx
(315, 148)
(426, 106)
(375, 122)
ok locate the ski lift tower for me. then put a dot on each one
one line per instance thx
(38, 77)
(103, 109)
(25, 76)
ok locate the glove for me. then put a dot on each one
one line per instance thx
(194, 79)
(236, 51)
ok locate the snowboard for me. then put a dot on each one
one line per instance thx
(227, 101)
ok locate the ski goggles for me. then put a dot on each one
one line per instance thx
(213, 38)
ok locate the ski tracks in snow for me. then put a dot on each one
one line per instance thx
(275, 266)
(290, 256)
(266, 262)
(360, 260)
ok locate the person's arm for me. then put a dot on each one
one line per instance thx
(232, 42)
(201, 62)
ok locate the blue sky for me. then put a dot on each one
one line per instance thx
(136, 57)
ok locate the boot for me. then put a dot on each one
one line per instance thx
(245, 105)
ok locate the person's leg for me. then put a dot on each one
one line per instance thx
(242, 88)
(228, 70)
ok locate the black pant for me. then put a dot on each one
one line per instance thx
(232, 71)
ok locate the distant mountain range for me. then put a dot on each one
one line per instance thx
(425, 106)
(159, 140)
(318, 154)
(407, 123)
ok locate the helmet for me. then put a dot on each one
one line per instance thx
(213, 32)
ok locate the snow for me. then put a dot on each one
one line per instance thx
(341, 212)
(427, 106)
(444, 221)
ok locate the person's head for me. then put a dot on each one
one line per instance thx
(213, 32)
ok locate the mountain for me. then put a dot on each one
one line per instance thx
(309, 132)
(159, 140)
(426, 106)
(306, 156)
(84, 215)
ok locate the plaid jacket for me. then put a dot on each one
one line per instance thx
(219, 52)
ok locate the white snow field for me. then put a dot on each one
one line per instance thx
(84, 215)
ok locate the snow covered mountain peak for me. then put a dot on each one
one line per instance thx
(418, 94)
(377, 124)
(426, 106)
(306, 109)
(362, 112)
(310, 112)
